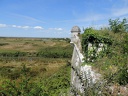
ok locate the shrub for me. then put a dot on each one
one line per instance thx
(23, 88)
(55, 52)
(94, 37)
(118, 26)
(113, 64)
(124, 44)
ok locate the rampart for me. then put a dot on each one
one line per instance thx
(82, 75)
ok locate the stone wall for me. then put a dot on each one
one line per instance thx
(82, 75)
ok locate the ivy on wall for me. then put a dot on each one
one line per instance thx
(93, 37)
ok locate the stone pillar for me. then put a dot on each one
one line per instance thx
(75, 31)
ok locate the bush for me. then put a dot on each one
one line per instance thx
(59, 83)
(113, 64)
(23, 88)
(94, 37)
(55, 52)
(13, 54)
(124, 44)
(118, 26)
(122, 76)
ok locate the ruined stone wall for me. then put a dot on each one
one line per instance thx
(82, 75)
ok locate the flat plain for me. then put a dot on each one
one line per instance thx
(43, 57)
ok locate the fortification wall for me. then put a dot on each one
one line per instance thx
(82, 75)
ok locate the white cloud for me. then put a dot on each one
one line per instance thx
(58, 29)
(92, 17)
(97, 17)
(14, 26)
(51, 28)
(19, 26)
(38, 27)
(25, 27)
(100, 26)
(120, 12)
(28, 18)
(125, 2)
(3, 25)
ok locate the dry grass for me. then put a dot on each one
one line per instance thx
(29, 44)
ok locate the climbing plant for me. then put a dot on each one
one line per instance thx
(93, 37)
(113, 64)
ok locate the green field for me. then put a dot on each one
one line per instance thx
(45, 61)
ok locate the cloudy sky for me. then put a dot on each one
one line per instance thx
(55, 18)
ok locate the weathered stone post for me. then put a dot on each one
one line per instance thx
(80, 73)
(75, 31)
(77, 60)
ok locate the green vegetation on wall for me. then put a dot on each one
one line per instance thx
(113, 63)
(95, 38)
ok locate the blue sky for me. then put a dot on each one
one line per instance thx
(55, 18)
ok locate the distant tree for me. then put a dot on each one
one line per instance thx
(118, 26)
